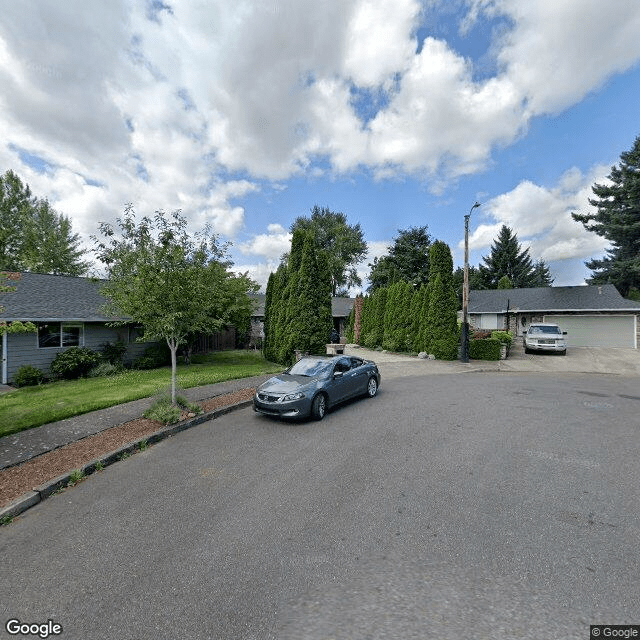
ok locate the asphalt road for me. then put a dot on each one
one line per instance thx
(450, 506)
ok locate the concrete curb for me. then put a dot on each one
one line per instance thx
(31, 498)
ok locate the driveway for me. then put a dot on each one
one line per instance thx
(623, 362)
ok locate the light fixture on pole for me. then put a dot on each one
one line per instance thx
(464, 346)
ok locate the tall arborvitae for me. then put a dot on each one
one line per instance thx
(390, 317)
(397, 321)
(366, 320)
(309, 304)
(441, 330)
(268, 323)
(279, 314)
(415, 313)
(379, 308)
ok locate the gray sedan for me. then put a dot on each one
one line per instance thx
(314, 384)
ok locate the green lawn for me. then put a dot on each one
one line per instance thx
(33, 406)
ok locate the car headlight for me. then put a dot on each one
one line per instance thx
(293, 396)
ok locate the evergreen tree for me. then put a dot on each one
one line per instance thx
(507, 258)
(541, 275)
(49, 244)
(505, 283)
(33, 236)
(16, 201)
(310, 324)
(418, 304)
(268, 322)
(366, 320)
(617, 218)
(440, 331)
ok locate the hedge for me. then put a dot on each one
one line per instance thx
(487, 349)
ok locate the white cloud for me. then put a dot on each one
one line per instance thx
(269, 245)
(167, 113)
(541, 217)
(558, 51)
(379, 40)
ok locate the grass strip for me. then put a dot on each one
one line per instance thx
(34, 406)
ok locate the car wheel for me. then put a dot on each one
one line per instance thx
(319, 407)
(563, 353)
(372, 387)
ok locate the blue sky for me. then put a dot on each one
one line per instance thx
(398, 113)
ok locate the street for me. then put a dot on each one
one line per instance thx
(477, 505)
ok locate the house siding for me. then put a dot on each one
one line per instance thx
(23, 349)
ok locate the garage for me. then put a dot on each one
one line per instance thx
(615, 331)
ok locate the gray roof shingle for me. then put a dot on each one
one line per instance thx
(42, 297)
(585, 298)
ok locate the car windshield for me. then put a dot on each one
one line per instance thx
(540, 330)
(308, 367)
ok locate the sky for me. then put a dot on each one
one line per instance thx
(245, 114)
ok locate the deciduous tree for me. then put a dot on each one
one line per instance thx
(407, 260)
(343, 244)
(171, 283)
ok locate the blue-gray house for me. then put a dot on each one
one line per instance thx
(68, 311)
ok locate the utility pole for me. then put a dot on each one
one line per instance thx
(464, 347)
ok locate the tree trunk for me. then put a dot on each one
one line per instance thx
(173, 347)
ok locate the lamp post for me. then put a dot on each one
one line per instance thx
(464, 347)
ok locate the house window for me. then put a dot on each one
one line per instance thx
(60, 334)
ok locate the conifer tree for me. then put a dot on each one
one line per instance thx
(440, 331)
(617, 219)
(541, 275)
(507, 258)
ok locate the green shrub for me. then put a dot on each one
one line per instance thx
(113, 353)
(73, 363)
(445, 349)
(503, 336)
(28, 376)
(154, 356)
(487, 349)
(104, 369)
(163, 411)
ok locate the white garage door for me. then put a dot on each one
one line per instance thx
(597, 331)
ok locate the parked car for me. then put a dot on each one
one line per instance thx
(314, 384)
(545, 336)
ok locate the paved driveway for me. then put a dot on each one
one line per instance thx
(623, 362)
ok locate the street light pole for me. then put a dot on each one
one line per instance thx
(464, 347)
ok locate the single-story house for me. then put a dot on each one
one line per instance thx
(68, 311)
(340, 310)
(592, 316)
